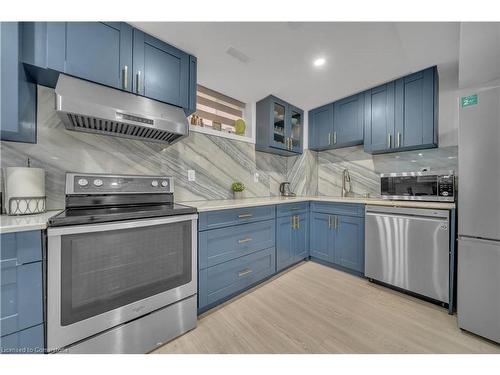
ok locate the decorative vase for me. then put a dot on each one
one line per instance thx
(238, 194)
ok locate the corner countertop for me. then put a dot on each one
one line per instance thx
(24, 223)
(224, 204)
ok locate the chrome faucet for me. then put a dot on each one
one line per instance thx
(346, 181)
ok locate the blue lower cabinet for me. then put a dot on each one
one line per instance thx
(21, 292)
(21, 296)
(321, 244)
(350, 243)
(225, 280)
(338, 239)
(292, 240)
(220, 245)
(28, 341)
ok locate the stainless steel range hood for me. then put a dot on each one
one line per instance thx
(93, 108)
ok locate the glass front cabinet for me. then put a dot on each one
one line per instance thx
(279, 127)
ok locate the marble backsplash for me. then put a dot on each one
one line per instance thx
(364, 168)
(217, 161)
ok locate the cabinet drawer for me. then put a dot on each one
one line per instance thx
(220, 245)
(349, 209)
(292, 209)
(226, 279)
(28, 341)
(224, 218)
(21, 296)
(22, 247)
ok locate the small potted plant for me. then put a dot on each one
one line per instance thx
(238, 188)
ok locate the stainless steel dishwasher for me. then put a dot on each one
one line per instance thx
(409, 248)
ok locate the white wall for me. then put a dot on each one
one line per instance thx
(448, 105)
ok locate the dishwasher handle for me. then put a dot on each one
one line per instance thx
(407, 211)
(410, 217)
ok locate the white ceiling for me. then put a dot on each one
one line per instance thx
(359, 55)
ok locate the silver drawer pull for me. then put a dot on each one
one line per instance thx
(242, 216)
(244, 272)
(245, 240)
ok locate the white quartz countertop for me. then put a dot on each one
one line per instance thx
(224, 204)
(11, 224)
(23, 223)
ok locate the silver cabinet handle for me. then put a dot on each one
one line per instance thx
(244, 272)
(293, 222)
(389, 140)
(337, 222)
(329, 139)
(297, 222)
(329, 222)
(243, 216)
(125, 77)
(399, 140)
(244, 240)
(138, 82)
(334, 138)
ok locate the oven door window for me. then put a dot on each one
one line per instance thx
(102, 271)
(411, 186)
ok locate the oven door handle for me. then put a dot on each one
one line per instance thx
(101, 227)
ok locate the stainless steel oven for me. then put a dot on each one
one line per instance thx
(425, 186)
(112, 282)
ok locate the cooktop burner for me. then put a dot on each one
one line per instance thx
(92, 198)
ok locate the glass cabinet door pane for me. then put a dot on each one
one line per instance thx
(279, 124)
(296, 122)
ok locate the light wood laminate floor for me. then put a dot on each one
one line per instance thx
(317, 309)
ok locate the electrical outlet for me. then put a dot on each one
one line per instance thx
(255, 177)
(191, 175)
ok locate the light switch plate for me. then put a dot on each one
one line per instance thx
(255, 177)
(191, 175)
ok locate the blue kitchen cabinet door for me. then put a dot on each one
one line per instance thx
(18, 95)
(321, 127)
(100, 52)
(322, 237)
(193, 73)
(21, 296)
(416, 110)
(160, 71)
(379, 119)
(296, 128)
(285, 252)
(348, 121)
(349, 243)
(300, 240)
(27, 341)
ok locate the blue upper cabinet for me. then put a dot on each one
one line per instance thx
(379, 118)
(18, 94)
(279, 127)
(320, 127)
(161, 71)
(402, 115)
(348, 121)
(338, 124)
(113, 54)
(416, 110)
(100, 52)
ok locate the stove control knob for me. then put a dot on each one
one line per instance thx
(154, 183)
(98, 182)
(164, 183)
(83, 182)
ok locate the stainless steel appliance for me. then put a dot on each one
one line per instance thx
(285, 190)
(478, 277)
(121, 265)
(409, 248)
(92, 108)
(425, 186)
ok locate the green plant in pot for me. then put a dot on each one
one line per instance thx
(238, 188)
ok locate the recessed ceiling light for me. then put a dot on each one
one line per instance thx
(320, 61)
(420, 154)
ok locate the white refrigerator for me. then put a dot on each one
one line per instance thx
(478, 275)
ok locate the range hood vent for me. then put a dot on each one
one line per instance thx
(92, 108)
